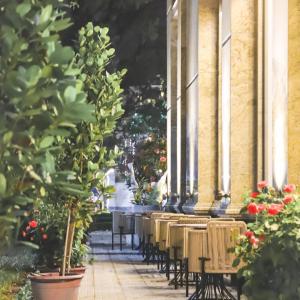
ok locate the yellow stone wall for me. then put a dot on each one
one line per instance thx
(294, 93)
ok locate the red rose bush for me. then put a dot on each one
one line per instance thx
(270, 248)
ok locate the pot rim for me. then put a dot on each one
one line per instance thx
(54, 276)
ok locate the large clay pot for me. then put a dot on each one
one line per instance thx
(49, 286)
(78, 270)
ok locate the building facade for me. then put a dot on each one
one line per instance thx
(233, 100)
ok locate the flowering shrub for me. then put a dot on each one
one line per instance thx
(270, 248)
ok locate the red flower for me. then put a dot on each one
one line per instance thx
(262, 184)
(275, 209)
(289, 188)
(261, 207)
(249, 234)
(42, 229)
(261, 237)
(163, 159)
(44, 236)
(33, 224)
(254, 194)
(23, 234)
(254, 241)
(288, 199)
(252, 208)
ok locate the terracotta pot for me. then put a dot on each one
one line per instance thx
(49, 286)
(78, 270)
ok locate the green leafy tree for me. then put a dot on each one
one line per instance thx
(41, 100)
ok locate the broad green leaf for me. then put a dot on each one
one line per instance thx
(2, 184)
(274, 227)
(70, 94)
(7, 137)
(61, 55)
(23, 8)
(46, 142)
(45, 14)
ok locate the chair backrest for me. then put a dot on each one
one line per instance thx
(221, 219)
(146, 222)
(116, 221)
(197, 216)
(163, 232)
(221, 237)
(127, 222)
(193, 221)
(138, 225)
(195, 247)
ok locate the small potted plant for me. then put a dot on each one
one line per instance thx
(269, 249)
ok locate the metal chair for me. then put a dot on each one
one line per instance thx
(115, 226)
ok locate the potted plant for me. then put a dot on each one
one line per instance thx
(269, 249)
(42, 102)
(84, 152)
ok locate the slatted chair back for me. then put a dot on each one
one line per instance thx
(163, 232)
(198, 216)
(196, 247)
(222, 219)
(154, 224)
(138, 226)
(176, 235)
(116, 221)
(127, 222)
(221, 237)
(193, 220)
(146, 227)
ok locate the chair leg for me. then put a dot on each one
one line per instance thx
(121, 235)
(168, 264)
(112, 241)
(175, 268)
(132, 241)
(186, 277)
(181, 272)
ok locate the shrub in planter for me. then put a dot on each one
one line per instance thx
(270, 248)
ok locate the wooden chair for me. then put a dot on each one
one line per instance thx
(211, 247)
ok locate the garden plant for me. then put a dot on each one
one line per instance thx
(269, 250)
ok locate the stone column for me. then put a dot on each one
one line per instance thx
(181, 100)
(207, 103)
(276, 91)
(171, 99)
(243, 98)
(294, 92)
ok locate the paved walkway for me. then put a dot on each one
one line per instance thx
(125, 277)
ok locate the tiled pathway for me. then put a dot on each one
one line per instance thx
(125, 277)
